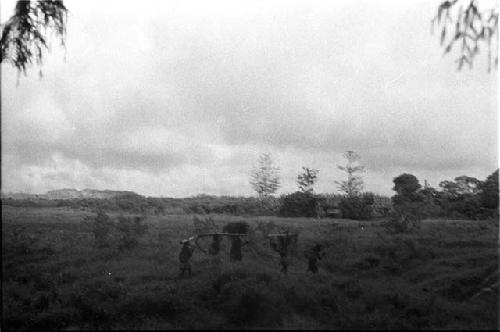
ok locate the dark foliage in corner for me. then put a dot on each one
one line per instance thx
(24, 35)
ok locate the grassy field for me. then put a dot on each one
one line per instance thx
(55, 277)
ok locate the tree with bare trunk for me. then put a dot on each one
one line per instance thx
(354, 183)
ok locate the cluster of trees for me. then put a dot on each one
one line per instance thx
(465, 197)
(353, 203)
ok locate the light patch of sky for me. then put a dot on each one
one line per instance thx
(177, 98)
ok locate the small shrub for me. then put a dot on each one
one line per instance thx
(299, 204)
(357, 207)
(410, 205)
(131, 229)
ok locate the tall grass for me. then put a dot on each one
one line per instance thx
(369, 279)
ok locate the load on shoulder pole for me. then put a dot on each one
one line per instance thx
(199, 236)
(284, 244)
(214, 248)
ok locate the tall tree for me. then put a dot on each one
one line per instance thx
(305, 181)
(409, 203)
(354, 183)
(465, 24)
(265, 178)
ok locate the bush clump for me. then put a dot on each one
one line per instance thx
(409, 204)
(357, 207)
(299, 204)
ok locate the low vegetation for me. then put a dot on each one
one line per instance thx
(56, 275)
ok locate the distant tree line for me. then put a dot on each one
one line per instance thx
(464, 197)
(137, 204)
(201, 204)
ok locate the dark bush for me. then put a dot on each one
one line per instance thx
(298, 204)
(410, 204)
(357, 207)
(489, 195)
(467, 205)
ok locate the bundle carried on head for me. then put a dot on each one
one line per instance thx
(239, 227)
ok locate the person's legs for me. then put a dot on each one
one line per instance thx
(312, 265)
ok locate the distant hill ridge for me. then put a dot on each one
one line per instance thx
(69, 193)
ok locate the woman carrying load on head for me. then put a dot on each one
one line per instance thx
(313, 256)
(281, 247)
(215, 245)
(235, 251)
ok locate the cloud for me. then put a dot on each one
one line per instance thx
(184, 97)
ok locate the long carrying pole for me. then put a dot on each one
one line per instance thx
(194, 237)
(280, 234)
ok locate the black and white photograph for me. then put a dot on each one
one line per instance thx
(247, 165)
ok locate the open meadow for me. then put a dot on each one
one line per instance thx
(436, 277)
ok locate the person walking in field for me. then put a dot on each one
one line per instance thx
(215, 245)
(235, 251)
(184, 257)
(280, 245)
(314, 255)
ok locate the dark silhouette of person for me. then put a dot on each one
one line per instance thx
(315, 255)
(235, 251)
(184, 257)
(215, 245)
(281, 247)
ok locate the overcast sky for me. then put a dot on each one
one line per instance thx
(177, 98)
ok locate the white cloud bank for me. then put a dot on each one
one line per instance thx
(176, 98)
